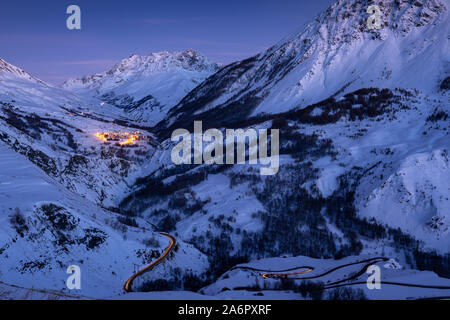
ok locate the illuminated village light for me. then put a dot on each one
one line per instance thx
(121, 137)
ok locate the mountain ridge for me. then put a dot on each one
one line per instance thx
(334, 54)
(146, 86)
(8, 70)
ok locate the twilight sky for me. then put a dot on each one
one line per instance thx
(33, 33)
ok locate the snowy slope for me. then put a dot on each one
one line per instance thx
(11, 72)
(384, 137)
(403, 166)
(353, 170)
(18, 85)
(36, 252)
(416, 197)
(13, 292)
(335, 53)
(56, 179)
(55, 129)
(45, 228)
(147, 86)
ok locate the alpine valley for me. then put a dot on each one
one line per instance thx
(86, 176)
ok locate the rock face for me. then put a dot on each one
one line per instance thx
(147, 86)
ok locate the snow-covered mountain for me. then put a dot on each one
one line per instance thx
(56, 128)
(147, 86)
(45, 228)
(16, 85)
(364, 120)
(364, 126)
(57, 179)
(334, 54)
(11, 72)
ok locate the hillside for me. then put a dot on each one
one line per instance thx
(146, 87)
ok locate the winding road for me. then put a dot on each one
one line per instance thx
(287, 273)
(128, 284)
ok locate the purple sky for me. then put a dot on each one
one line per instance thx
(34, 36)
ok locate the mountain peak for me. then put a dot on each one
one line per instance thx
(163, 61)
(11, 71)
(334, 54)
(136, 66)
(346, 20)
(147, 85)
